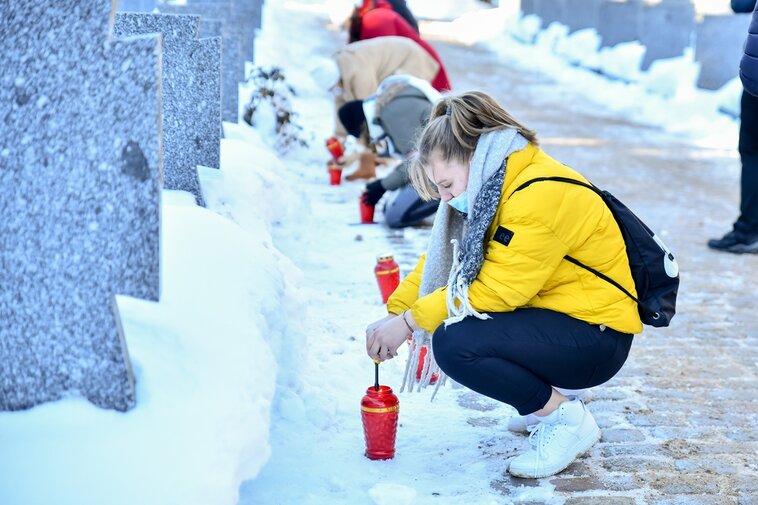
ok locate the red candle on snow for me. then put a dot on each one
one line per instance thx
(335, 174)
(387, 274)
(379, 413)
(334, 146)
(367, 211)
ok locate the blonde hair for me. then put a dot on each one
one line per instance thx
(453, 130)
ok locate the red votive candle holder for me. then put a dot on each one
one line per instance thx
(379, 412)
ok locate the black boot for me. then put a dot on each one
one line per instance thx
(736, 242)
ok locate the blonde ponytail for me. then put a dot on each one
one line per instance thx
(453, 130)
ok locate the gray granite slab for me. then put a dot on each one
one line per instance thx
(210, 27)
(666, 29)
(191, 95)
(618, 21)
(237, 32)
(527, 7)
(718, 48)
(580, 14)
(80, 175)
(208, 131)
(550, 10)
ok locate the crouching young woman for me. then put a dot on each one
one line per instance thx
(508, 314)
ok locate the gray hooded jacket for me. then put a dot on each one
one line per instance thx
(402, 118)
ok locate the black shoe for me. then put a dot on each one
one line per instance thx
(735, 242)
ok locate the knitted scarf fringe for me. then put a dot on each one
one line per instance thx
(458, 304)
(430, 367)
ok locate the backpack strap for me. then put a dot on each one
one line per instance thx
(559, 179)
(570, 258)
(601, 275)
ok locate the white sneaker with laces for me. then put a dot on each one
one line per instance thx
(557, 441)
(525, 424)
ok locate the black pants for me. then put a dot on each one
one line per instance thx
(748, 148)
(516, 357)
(408, 209)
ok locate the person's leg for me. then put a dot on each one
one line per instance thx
(516, 357)
(748, 148)
(407, 209)
(744, 236)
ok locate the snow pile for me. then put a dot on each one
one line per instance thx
(622, 61)
(580, 48)
(205, 382)
(729, 97)
(672, 77)
(548, 39)
(526, 28)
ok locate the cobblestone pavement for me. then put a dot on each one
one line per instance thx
(679, 421)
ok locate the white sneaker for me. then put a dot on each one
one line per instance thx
(586, 395)
(557, 441)
(523, 424)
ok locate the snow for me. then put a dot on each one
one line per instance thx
(580, 48)
(251, 368)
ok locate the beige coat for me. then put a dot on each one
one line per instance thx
(365, 64)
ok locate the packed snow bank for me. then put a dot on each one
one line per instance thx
(205, 374)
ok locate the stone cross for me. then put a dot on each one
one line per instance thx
(80, 179)
(191, 71)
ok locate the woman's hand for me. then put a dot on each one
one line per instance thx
(383, 340)
(371, 327)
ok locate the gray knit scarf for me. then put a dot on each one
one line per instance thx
(456, 266)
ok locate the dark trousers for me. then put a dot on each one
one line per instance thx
(748, 148)
(408, 209)
(516, 357)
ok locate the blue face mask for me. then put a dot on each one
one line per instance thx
(460, 202)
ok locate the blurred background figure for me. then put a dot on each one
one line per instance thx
(377, 18)
(398, 6)
(393, 116)
(355, 71)
(744, 235)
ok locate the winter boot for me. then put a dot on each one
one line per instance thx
(366, 167)
(736, 242)
(556, 441)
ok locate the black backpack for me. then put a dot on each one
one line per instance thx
(654, 269)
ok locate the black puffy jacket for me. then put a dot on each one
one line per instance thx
(749, 62)
(742, 6)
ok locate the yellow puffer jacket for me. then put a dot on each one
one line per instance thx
(546, 221)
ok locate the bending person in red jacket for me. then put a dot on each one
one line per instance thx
(398, 6)
(381, 21)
